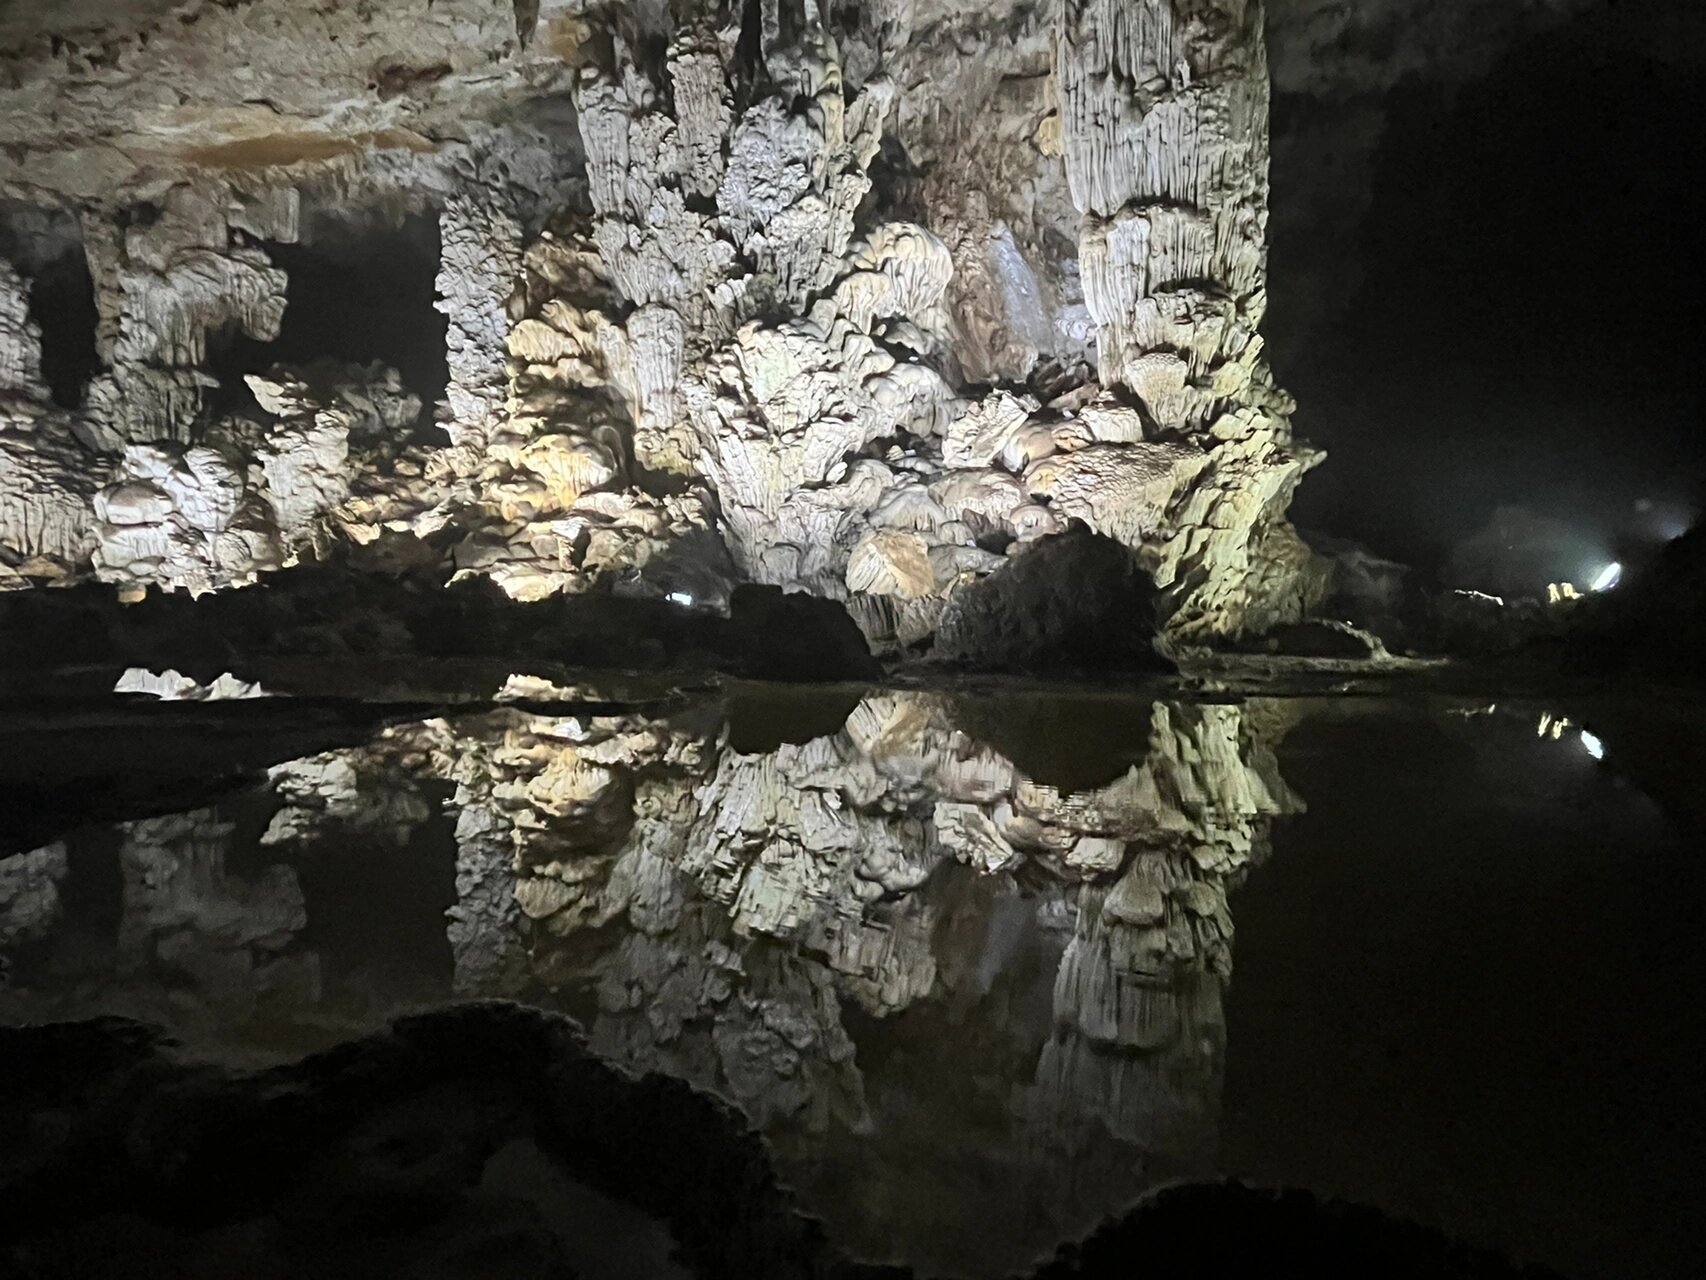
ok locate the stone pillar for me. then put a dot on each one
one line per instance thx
(479, 264)
(1164, 110)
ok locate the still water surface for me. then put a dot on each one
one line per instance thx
(985, 968)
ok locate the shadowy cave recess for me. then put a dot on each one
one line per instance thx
(361, 288)
(46, 247)
(1442, 248)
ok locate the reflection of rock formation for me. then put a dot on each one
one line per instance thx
(910, 964)
(712, 913)
(227, 941)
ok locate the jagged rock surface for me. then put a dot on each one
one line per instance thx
(826, 304)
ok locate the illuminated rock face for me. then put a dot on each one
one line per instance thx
(47, 478)
(821, 304)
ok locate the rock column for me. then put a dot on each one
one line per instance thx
(479, 265)
(1164, 110)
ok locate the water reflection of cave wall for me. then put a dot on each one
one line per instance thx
(896, 953)
(972, 1013)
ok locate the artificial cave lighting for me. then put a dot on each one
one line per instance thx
(1592, 745)
(1608, 577)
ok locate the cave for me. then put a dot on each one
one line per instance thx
(934, 641)
(46, 246)
(360, 289)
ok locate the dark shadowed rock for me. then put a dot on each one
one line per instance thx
(1075, 602)
(776, 635)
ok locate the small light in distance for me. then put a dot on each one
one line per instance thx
(1609, 577)
(1592, 745)
(681, 598)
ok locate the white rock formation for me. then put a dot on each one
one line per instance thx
(1164, 130)
(173, 686)
(202, 518)
(687, 330)
(177, 279)
(480, 262)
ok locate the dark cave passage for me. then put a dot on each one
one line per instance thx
(46, 247)
(361, 289)
(1521, 332)
(62, 302)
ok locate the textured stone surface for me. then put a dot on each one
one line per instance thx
(855, 303)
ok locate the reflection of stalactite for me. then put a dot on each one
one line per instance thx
(485, 925)
(187, 920)
(715, 916)
(752, 1022)
(1139, 1025)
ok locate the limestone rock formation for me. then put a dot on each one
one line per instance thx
(217, 515)
(865, 305)
(177, 279)
(47, 480)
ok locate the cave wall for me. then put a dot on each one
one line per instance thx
(862, 301)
